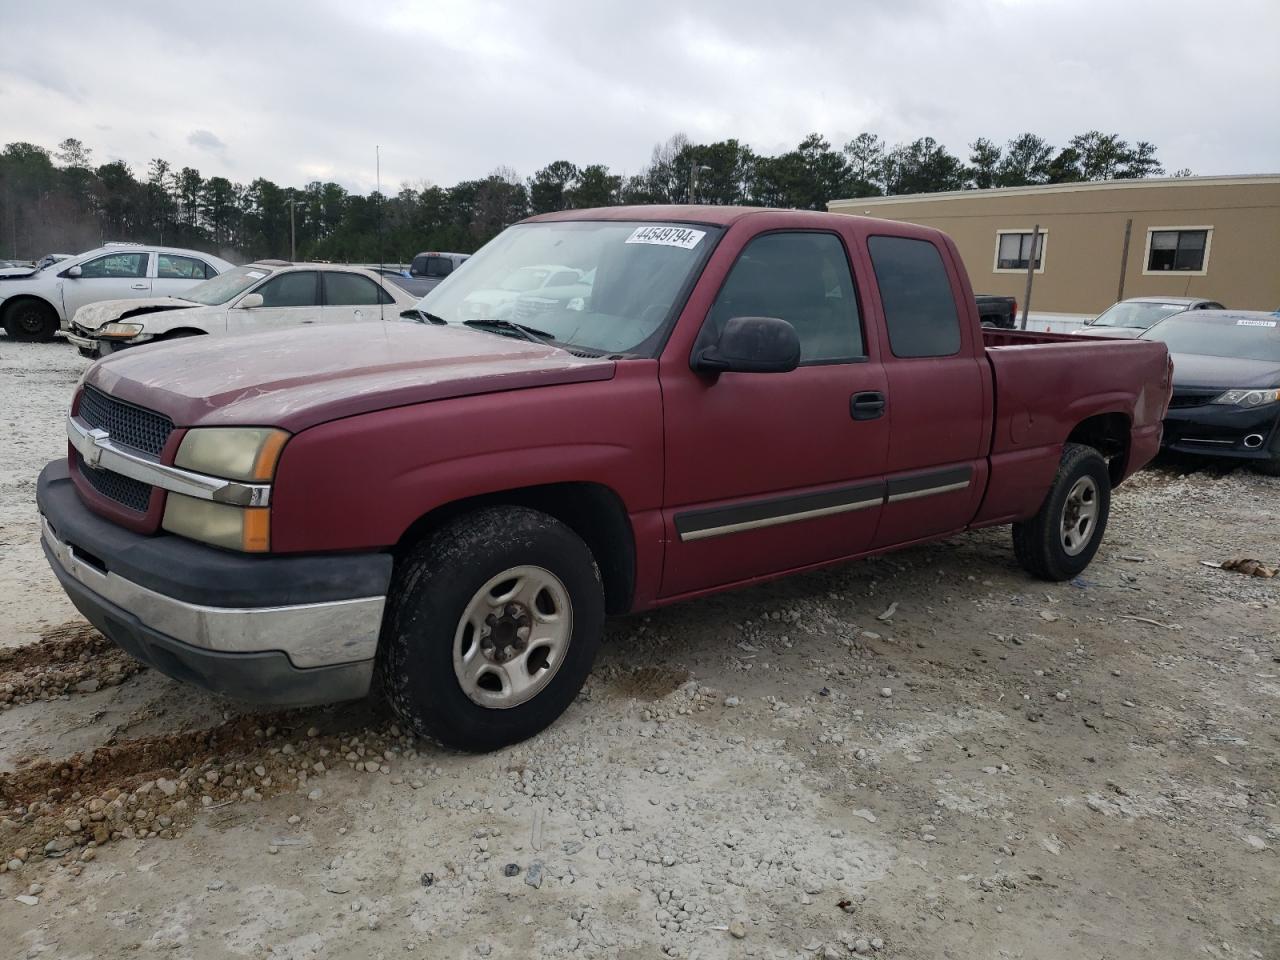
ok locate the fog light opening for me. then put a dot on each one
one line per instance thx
(1253, 441)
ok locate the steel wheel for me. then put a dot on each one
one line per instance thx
(1079, 516)
(512, 637)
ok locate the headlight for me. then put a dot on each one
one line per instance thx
(1247, 398)
(122, 330)
(237, 528)
(237, 453)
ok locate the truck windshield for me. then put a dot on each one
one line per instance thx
(1133, 314)
(226, 286)
(602, 286)
(1246, 337)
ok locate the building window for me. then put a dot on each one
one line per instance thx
(1178, 249)
(1013, 249)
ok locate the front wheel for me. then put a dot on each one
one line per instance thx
(31, 320)
(492, 625)
(1061, 539)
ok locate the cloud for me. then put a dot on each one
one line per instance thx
(206, 140)
(451, 91)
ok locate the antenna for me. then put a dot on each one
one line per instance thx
(382, 280)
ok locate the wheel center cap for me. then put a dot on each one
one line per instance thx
(506, 632)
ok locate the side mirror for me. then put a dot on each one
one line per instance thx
(73, 272)
(249, 301)
(751, 345)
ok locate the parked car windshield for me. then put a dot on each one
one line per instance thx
(226, 286)
(1138, 314)
(603, 286)
(1223, 335)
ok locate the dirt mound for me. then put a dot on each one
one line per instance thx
(72, 658)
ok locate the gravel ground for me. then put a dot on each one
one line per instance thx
(996, 768)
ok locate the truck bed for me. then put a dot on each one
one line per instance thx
(1046, 385)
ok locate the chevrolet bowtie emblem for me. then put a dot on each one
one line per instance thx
(94, 452)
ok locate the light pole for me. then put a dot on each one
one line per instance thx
(694, 170)
(293, 236)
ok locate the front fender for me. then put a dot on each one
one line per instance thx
(361, 482)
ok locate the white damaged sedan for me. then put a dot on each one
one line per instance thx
(266, 295)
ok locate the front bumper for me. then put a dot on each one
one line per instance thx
(92, 347)
(1222, 431)
(286, 631)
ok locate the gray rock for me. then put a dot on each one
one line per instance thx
(88, 686)
(533, 876)
(737, 929)
(27, 901)
(861, 946)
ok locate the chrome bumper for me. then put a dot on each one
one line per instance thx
(311, 635)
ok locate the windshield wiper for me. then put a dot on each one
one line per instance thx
(422, 316)
(532, 334)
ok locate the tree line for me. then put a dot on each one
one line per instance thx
(61, 201)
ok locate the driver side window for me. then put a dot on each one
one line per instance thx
(298, 289)
(800, 277)
(115, 265)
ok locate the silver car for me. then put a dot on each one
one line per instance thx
(1127, 319)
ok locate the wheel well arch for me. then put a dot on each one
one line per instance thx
(18, 298)
(591, 510)
(1109, 434)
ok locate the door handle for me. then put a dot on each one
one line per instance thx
(139, 286)
(867, 406)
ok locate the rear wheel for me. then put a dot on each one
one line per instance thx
(1061, 539)
(30, 320)
(492, 625)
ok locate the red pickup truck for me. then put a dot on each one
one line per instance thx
(455, 499)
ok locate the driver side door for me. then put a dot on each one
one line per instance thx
(767, 472)
(288, 300)
(113, 276)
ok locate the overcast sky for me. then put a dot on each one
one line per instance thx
(303, 91)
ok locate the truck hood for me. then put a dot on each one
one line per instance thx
(1199, 370)
(298, 378)
(94, 315)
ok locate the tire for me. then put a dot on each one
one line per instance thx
(458, 605)
(1270, 468)
(1049, 546)
(31, 320)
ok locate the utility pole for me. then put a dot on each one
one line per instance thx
(1124, 257)
(1031, 272)
(293, 236)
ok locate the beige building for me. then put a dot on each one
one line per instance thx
(1212, 237)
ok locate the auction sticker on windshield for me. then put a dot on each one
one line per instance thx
(681, 237)
(1255, 323)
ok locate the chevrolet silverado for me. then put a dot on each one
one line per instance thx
(454, 502)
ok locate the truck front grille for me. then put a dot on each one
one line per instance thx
(125, 491)
(141, 429)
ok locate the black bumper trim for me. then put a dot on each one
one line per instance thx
(196, 573)
(265, 677)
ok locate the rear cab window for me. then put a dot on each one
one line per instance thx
(915, 291)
